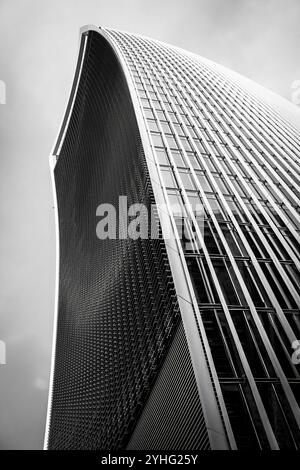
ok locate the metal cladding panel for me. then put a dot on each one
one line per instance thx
(172, 418)
(117, 312)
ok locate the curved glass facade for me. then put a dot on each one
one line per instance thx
(227, 166)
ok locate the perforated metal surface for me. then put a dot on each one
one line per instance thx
(172, 418)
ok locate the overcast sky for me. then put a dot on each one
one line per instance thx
(39, 40)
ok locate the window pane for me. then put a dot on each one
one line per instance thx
(162, 156)
(187, 180)
(157, 139)
(168, 177)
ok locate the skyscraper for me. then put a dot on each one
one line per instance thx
(186, 341)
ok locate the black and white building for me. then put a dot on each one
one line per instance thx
(174, 342)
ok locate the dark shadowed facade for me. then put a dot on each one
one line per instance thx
(163, 343)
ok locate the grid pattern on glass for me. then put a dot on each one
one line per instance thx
(219, 145)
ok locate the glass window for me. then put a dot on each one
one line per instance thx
(162, 156)
(203, 182)
(179, 129)
(211, 239)
(192, 132)
(228, 281)
(195, 203)
(200, 146)
(142, 94)
(168, 107)
(168, 177)
(166, 128)
(244, 324)
(145, 103)
(152, 95)
(175, 202)
(193, 160)
(208, 161)
(253, 284)
(156, 104)
(152, 125)
(187, 180)
(171, 141)
(185, 119)
(216, 207)
(222, 185)
(280, 415)
(185, 143)
(220, 352)
(149, 113)
(240, 417)
(173, 117)
(238, 187)
(178, 159)
(278, 286)
(157, 139)
(200, 284)
(161, 115)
